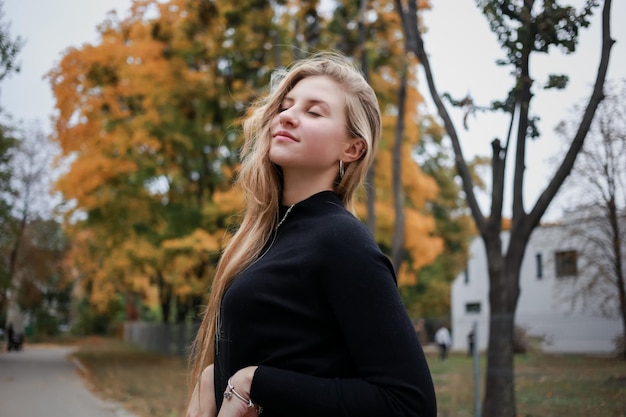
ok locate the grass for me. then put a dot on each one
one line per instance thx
(545, 385)
(146, 384)
(151, 385)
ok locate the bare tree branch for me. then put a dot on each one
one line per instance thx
(461, 165)
(596, 97)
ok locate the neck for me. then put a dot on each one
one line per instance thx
(298, 188)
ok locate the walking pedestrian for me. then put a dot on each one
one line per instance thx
(443, 340)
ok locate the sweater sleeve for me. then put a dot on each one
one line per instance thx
(392, 375)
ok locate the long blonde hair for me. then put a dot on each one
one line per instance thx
(260, 178)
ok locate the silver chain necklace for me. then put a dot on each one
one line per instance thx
(284, 217)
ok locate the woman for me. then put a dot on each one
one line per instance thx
(304, 317)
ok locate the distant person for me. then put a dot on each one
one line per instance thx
(470, 343)
(443, 340)
(15, 328)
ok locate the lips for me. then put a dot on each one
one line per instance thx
(284, 135)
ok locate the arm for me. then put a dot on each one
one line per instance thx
(202, 402)
(237, 407)
(391, 373)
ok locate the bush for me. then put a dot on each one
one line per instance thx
(620, 346)
(520, 340)
(46, 324)
(92, 322)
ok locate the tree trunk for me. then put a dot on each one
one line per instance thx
(182, 308)
(15, 250)
(371, 199)
(369, 179)
(165, 298)
(397, 248)
(132, 314)
(504, 292)
(500, 378)
(618, 267)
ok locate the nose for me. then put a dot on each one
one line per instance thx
(287, 117)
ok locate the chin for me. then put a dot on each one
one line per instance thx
(278, 159)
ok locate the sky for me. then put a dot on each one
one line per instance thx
(48, 28)
(465, 63)
(462, 52)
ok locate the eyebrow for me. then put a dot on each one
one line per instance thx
(310, 101)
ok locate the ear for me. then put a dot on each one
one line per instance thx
(354, 150)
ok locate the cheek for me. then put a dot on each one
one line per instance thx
(325, 149)
(274, 123)
(331, 140)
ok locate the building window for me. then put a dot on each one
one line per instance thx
(466, 276)
(538, 262)
(472, 308)
(566, 263)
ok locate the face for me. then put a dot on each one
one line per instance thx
(309, 133)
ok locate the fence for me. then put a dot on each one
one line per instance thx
(165, 338)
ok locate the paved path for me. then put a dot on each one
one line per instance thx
(42, 381)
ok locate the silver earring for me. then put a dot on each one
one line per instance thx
(342, 169)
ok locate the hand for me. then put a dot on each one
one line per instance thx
(202, 402)
(234, 407)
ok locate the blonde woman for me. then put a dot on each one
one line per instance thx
(304, 317)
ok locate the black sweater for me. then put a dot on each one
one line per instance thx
(321, 316)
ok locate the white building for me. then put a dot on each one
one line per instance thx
(558, 303)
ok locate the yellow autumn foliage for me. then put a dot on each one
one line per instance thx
(198, 241)
(150, 117)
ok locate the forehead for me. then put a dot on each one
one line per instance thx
(318, 88)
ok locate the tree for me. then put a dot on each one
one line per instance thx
(158, 102)
(30, 165)
(394, 204)
(430, 296)
(9, 49)
(523, 29)
(150, 117)
(43, 290)
(598, 218)
(7, 146)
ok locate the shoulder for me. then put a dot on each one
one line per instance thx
(339, 227)
(334, 236)
(326, 220)
(345, 245)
